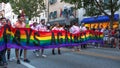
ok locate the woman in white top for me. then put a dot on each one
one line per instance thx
(57, 27)
(82, 27)
(74, 30)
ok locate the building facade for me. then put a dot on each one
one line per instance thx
(62, 12)
(59, 11)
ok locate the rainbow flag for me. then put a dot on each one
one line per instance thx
(26, 38)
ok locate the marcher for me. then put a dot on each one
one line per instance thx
(75, 30)
(5, 36)
(102, 29)
(42, 27)
(111, 37)
(20, 24)
(117, 36)
(57, 27)
(83, 29)
(34, 27)
(8, 50)
(106, 36)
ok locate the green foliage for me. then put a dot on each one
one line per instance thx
(97, 7)
(32, 8)
(91, 10)
(5, 1)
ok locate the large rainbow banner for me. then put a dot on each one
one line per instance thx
(26, 38)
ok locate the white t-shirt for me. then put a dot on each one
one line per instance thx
(102, 30)
(34, 28)
(1, 25)
(58, 29)
(55, 28)
(83, 28)
(74, 29)
(61, 29)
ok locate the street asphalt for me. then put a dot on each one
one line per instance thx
(86, 58)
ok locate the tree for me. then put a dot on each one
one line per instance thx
(98, 7)
(5, 1)
(32, 8)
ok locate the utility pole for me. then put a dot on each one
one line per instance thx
(48, 10)
(75, 10)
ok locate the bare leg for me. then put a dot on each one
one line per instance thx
(8, 54)
(53, 51)
(42, 51)
(25, 53)
(25, 56)
(17, 53)
(21, 51)
(59, 51)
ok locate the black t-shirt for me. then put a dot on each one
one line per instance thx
(93, 29)
(117, 33)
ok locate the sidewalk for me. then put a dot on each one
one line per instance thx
(110, 53)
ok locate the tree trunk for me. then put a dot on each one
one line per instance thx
(111, 21)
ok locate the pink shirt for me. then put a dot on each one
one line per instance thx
(20, 25)
(41, 27)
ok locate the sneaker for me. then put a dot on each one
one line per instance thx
(53, 53)
(73, 50)
(21, 57)
(1, 63)
(95, 47)
(59, 52)
(18, 62)
(44, 56)
(5, 65)
(26, 60)
(10, 60)
(78, 50)
(36, 54)
(33, 51)
(98, 47)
